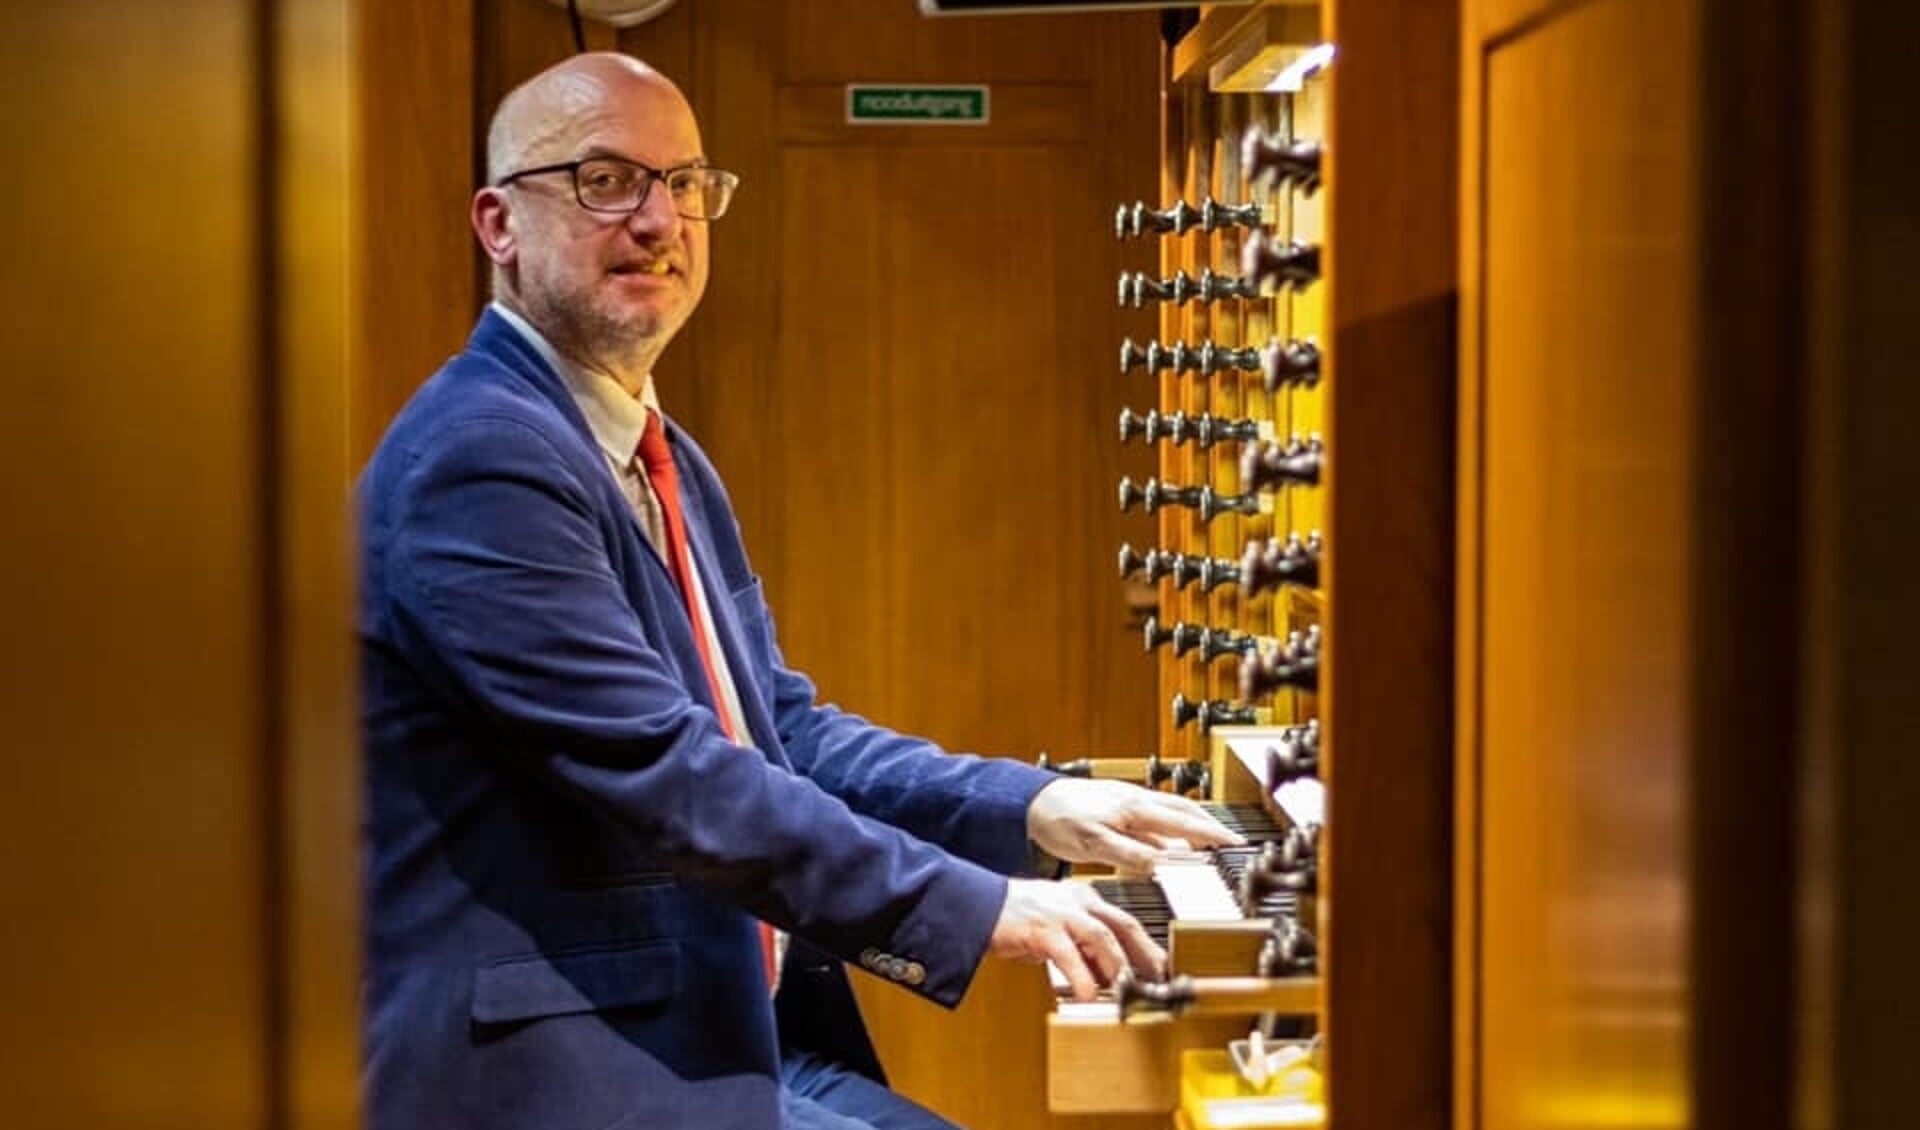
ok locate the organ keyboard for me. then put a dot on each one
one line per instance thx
(1221, 924)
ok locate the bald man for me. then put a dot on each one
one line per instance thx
(595, 790)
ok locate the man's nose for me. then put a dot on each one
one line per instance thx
(656, 214)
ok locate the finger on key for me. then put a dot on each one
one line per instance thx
(1065, 955)
(1144, 955)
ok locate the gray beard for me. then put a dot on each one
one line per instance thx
(590, 337)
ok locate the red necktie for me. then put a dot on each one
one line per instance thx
(657, 458)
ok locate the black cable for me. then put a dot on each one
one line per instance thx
(579, 33)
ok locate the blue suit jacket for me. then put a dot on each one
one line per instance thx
(565, 856)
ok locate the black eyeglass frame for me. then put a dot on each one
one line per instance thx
(572, 169)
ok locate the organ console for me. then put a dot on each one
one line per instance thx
(1181, 218)
(1206, 429)
(1184, 777)
(1212, 572)
(1183, 568)
(1267, 565)
(1236, 923)
(1289, 951)
(1078, 767)
(1155, 494)
(1286, 364)
(1212, 712)
(1293, 756)
(1205, 359)
(1202, 431)
(1272, 464)
(1183, 636)
(1151, 565)
(1276, 159)
(1292, 666)
(1216, 643)
(1231, 996)
(1269, 263)
(1203, 500)
(1136, 288)
(1242, 570)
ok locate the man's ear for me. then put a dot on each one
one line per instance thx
(493, 223)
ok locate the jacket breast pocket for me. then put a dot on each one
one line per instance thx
(560, 984)
(756, 628)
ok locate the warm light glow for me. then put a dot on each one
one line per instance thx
(1594, 1110)
(1295, 75)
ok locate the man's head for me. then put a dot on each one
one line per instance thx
(608, 289)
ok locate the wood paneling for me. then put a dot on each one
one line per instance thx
(1583, 681)
(904, 369)
(908, 375)
(1186, 167)
(1858, 779)
(418, 166)
(1386, 699)
(318, 889)
(155, 661)
(953, 413)
(1383, 312)
(136, 978)
(1748, 554)
(879, 41)
(1489, 21)
(1717, 714)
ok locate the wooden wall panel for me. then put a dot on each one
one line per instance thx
(170, 926)
(1386, 702)
(135, 974)
(414, 89)
(1748, 550)
(1583, 684)
(1490, 20)
(942, 439)
(1857, 780)
(1765, 162)
(1383, 311)
(883, 42)
(918, 314)
(318, 724)
(904, 367)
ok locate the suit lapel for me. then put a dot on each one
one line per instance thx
(749, 679)
(494, 337)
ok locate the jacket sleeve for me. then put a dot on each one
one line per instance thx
(502, 593)
(975, 807)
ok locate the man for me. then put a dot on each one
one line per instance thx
(594, 786)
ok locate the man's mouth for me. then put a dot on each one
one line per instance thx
(656, 267)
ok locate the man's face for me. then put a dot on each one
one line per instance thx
(604, 286)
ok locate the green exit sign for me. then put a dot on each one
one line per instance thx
(916, 105)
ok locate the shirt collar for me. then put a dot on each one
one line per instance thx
(615, 416)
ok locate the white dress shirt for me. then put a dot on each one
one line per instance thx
(616, 419)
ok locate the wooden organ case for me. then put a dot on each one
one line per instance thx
(1298, 537)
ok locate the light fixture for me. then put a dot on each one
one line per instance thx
(619, 13)
(1293, 77)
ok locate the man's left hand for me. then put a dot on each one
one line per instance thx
(1120, 824)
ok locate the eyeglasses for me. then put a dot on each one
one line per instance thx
(617, 185)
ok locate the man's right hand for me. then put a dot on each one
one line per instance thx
(1087, 938)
